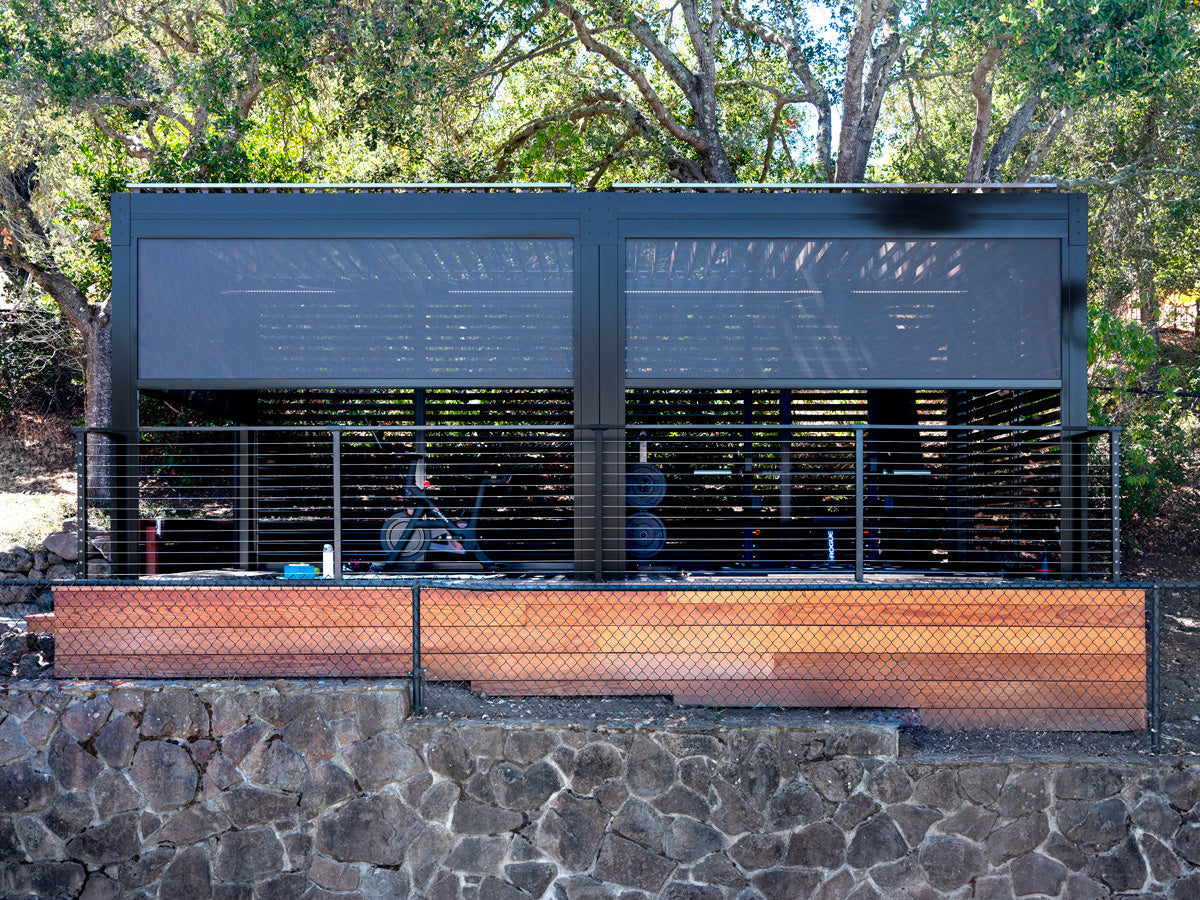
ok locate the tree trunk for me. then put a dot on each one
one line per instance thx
(97, 341)
(1148, 311)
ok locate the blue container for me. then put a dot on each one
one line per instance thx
(297, 570)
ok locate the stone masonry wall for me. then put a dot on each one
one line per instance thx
(328, 791)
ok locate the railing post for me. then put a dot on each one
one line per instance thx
(81, 503)
(1115, 505)
(598, 501)
(859, 517)
(1155, 686)
(337, 505)
(418, 674)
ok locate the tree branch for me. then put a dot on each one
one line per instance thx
(982, 92)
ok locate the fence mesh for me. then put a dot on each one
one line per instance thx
(1036, 655)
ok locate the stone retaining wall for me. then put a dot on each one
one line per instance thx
(186, 791)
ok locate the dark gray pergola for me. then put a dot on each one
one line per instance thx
(238, 288)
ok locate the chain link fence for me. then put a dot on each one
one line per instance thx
(1028, 655)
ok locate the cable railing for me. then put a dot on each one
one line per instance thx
(604, 502)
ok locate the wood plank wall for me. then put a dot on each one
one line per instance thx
(1065, 658)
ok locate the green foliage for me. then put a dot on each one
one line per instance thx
(1133, 387)
(40, 368)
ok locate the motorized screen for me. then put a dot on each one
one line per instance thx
(395, 309)
(845, 308)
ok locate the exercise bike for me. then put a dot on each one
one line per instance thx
(419, 527)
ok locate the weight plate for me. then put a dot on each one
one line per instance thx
(393, 531)
(645, 485)
(645, 535)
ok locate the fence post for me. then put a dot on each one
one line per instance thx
(337, 505)
(1115, 478)
(418, 674)
(598, 537)
(81, 492)
(859, 518)
(1156, 722)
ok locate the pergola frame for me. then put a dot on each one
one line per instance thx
(598, 225)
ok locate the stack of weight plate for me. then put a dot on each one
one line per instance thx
(645, 533)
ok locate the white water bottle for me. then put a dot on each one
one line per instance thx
(327, 561)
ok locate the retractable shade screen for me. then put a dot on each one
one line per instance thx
(846, 309)
(371, 309)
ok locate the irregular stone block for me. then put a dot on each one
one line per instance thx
(227, 716)
(117, 740)
(595, 764)
(994, 887)
(476, 818)
(334, 876)
(38, 841)
(311, 737)
(914, 821)
(136, 873)
(63, 544)
(680, 801)
(650, 769)
(758, 776)
(73, 766)
(641, 823)
(174, 713)
(114, 794)
(687, 840)
(1164, 865)
(164, 774)
(83, 720)
(683, 744)
(71, 812)
(819, 846)
(273, 764)
(287, 886)
(12, 741)
(836, 779)
(718, 869)
(279, 708)
(1023, 795)
(375, 829)
(950, 862)
(100, 887)
(531, 877)
(734, 815)
(938, 789)
(796, 804)
(390, 884)
(495, 889)
(448, 755)
(238, 745)
(1087, 782)
(247, 856)
(758, 851)
(877, 840)
(46, 879)
(624, 862)
(1096, 825)
(16, 559)
(972, 822)
(1035, 873)
(477, 855)
(696, 773)
(246, 805)
(190, 825)
(779, 883)
(525, 788)
(10, 845)
(982, 783)
(525, 747)
(381, 760)
(1155, 815)
(326, 784)
(1122, 868)
(856, 808)
(1016, 838)
(439, 800)
(114, 841)
(611, 794)
(680, 890)
(427, 853)
(570, 832)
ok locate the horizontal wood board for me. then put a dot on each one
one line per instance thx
(1061, 657)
